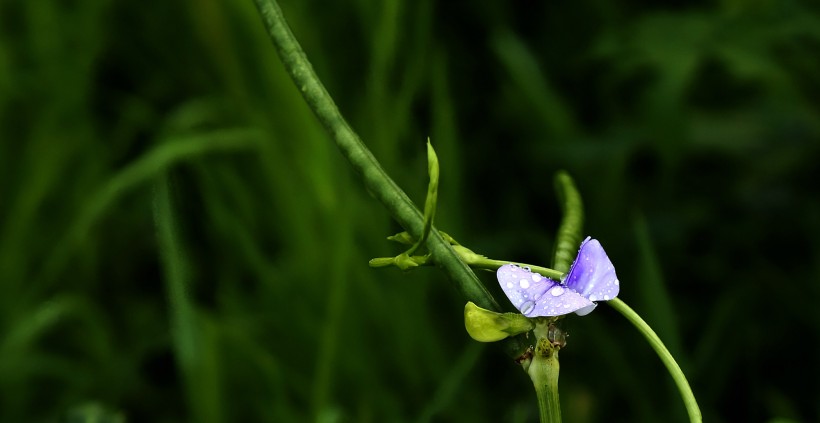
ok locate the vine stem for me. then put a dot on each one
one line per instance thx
(665, 356)
(375, 179)
(490, 264)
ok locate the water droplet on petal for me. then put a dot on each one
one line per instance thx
(556, 291)
(527, 268)
(524, 283)
(509, 284)
(606, 297)
(585, 310)
(592, 297)
(617, 282)
(536, 277)
(527, 307)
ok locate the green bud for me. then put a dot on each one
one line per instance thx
(488, 326)
(402, 238)
(381, 262)
(404, 262)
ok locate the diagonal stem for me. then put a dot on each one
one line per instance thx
(375, 179)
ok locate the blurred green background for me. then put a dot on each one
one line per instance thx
(182, 242)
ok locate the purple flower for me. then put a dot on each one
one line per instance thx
(590, 278)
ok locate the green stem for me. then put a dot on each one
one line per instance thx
(569, 233)
(490, 264)
(543, 371)
(665, 356)
(375, 179)
(544, 375)
(473, 260)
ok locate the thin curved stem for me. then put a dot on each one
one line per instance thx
(665, 356)
(490, 264)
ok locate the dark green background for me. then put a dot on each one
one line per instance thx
(149, 274)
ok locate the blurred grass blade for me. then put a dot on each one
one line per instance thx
(533, 85)
(452, 382)
(35, 324)
(141, 171)
(189, 333)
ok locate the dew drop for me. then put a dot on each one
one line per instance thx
(536, 277)
(527, 268)
(606, 297)
(617, 282)
(524, 283)
(556, 291)
(509, 285)
(527, 307)
(592, 297)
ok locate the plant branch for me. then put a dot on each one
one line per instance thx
(375, 179)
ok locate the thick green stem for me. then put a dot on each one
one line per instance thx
(543, 371)
(665, 356)
(375, 179)
(544, 375)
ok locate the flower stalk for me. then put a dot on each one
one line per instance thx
(543, 371)
(666, 357)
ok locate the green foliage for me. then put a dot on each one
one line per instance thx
(180, 241)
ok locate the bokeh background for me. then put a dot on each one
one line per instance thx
(182, 242)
